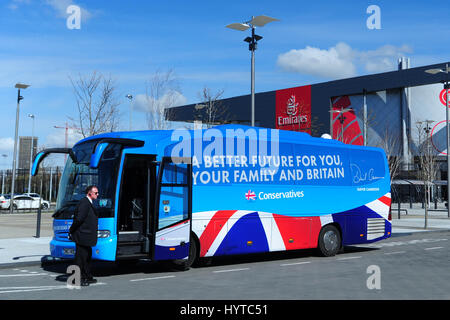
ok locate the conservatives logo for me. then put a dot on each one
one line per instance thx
(292, 194)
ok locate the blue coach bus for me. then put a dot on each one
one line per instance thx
(180, 195)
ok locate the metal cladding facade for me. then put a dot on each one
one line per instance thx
(396, 101)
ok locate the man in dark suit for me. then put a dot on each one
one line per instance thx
(84, 232)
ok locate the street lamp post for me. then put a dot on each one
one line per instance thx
(258, 21)
(447, 117)
(3, 175)
(19, 97)
(31, 151)
(341, 120)
(130, 97)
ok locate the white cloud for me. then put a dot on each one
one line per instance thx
(15, 4)
(341, 61)
(170, 99)
(60, 6)
(383, 58)
(335, 62)
(6, 145)
(57, 139)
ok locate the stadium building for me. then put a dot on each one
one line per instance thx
(402, 111)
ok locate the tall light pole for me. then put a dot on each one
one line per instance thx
(365, 116)
(341, 120)
(31, 151)
(130, 97)
(3, 175)
(19, 97)
(258, 21)
(447, 117)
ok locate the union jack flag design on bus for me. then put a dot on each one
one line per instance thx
(243, 231)
(250, 195)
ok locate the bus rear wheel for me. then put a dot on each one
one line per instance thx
(329, 241)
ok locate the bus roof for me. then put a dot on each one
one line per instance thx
(155, 136)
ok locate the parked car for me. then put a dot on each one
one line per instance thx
(24, 202)
(33, 195)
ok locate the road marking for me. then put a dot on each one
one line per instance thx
(29, 289)
(22, 275)
(400, 243)
(154, 278)
(40, 288)
(395, 252)
(231, 270)
(295, 263)
(347, 258)
(434, 248)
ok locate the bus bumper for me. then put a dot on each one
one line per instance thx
(104, 250)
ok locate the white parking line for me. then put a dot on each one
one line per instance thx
(22, 275)
(39, 288)
(28, 289)
(154, 278)
(348, 258)
(295, 263)
(231, 270)
(434, 248)
(395, 252)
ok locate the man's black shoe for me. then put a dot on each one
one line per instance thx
(84, 283)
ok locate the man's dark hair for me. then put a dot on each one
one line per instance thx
(89, 188)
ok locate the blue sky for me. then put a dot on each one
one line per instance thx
(314, 41)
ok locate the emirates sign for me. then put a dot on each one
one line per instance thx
(293, 109)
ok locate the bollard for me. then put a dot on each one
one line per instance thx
(38, 222)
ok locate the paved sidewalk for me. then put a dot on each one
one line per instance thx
(19, 246)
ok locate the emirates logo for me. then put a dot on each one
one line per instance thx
(293, 112)
(292, 106)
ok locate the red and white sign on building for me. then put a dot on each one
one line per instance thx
(443, 97)
(293, 109)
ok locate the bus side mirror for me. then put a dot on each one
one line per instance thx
(44, 153)
(97, 154)
(37, 160)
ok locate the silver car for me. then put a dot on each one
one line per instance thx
(24, 202)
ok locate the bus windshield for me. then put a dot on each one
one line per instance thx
(77, 176)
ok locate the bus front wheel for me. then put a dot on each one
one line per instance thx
(185, 264)
(329, 241)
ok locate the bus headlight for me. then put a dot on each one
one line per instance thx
(103, 233)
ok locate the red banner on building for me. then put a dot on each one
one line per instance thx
(293, 109)
(345, 123)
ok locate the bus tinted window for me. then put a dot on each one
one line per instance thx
(78, 176)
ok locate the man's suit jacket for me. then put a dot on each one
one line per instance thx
(85, 224)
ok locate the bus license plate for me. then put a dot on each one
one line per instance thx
(69, 251)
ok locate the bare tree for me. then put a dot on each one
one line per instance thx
(390, 143)
(97, 104)
(211, 106)
(427, 162)
(162, 92)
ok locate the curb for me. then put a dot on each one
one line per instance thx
(45, 260)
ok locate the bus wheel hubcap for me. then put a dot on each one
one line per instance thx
(330, 240)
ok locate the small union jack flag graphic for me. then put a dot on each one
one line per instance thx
(250, 195)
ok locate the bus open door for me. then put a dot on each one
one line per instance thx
(172, 219)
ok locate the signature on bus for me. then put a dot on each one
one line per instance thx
(361, 176)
